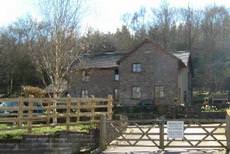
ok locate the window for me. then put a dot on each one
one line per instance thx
(85, 75)
(159, 91)
(136, 68)
(115, 94)
(136, 92)
(116, 75)
(84, 93)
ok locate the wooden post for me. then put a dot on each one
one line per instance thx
(20, 112)
(228, 129)
(48, 112)
(54, 111)
(93, 104)
(110, 107)
(30, 112)
(103, 132)
(68, 108)
(78, 109)
(161, 125)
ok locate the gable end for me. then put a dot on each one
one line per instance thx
(157, 46)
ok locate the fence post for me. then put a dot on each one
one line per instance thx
(68, 105)
(20, 112)
(161, 134)
(103, 132)
(78, 109)
(48, 111)
(93, 104)
(110, 107)
(30, 114)
(228, 129)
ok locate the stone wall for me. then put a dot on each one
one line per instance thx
(158, 69)
(59, 143)
(101, 83)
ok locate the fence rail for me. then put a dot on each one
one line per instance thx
(198, 133)
(28, 112)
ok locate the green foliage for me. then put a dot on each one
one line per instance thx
(208, 108)
(199, 97)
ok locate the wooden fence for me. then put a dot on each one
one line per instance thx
(198, 133)
(43, 112)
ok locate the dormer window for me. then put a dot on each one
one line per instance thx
(116, 75)
(136, 67)
(85, 75)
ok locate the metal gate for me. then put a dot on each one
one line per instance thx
(153, 133)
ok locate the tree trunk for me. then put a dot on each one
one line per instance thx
(55, 108)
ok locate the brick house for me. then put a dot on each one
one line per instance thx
(148, 72)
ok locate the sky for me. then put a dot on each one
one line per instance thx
(103, 15)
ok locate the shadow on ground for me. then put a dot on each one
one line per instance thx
(174, 151)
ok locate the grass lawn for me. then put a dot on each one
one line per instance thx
(18, 133)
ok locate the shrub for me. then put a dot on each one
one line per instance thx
(208, 108)
(162, 109)
(35, 91)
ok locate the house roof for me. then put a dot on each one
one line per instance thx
(104, 60)
(183, 56)
(112, 59)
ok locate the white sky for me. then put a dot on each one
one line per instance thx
(103, 15)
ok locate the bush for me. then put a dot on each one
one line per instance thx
(208, 108)
(162, 109)
(200, 97)
(35, 91)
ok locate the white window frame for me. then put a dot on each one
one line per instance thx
(116, 75)
(159, 91)
(136, 92)
(84, 93)
(136, 67)
(116, 94)
(85, 75)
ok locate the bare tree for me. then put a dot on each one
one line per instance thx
(135, 21)
(56, 40)
(164, 19)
